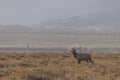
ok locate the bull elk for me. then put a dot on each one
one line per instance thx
(80, 56)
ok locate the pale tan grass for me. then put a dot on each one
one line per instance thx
(58, 66)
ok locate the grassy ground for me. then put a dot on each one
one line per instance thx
(63, 66)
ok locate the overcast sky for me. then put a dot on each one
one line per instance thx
(30, 12)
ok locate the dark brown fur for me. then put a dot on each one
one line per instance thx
(80, 56)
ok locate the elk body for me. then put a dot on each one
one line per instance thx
(80, 56)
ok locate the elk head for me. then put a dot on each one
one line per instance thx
(73, 51)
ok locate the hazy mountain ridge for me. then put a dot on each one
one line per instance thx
(97, 22)
(105, 22)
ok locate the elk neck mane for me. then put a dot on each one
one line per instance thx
(75, 54)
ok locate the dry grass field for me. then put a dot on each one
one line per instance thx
(62, 66)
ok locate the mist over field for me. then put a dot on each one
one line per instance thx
(61, 39)
(57, 39)
(61, 23)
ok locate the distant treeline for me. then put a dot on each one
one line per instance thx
(66, 32)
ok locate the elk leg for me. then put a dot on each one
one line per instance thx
(87, 60)
(91, 60)
(79, 61)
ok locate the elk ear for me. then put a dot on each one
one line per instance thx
(73, 48)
